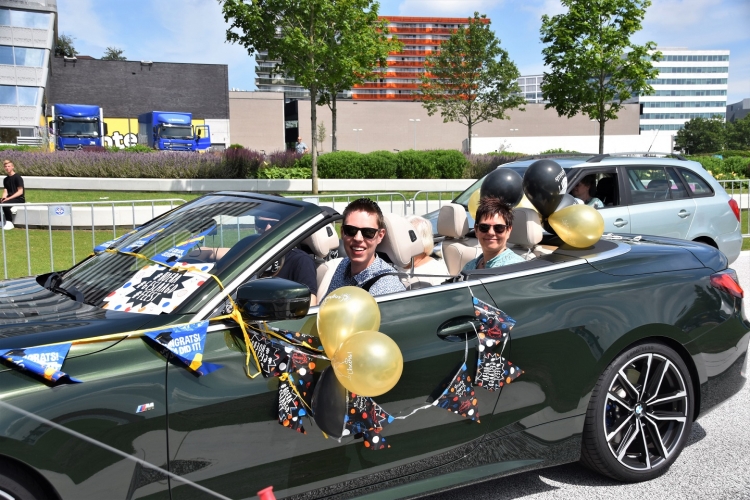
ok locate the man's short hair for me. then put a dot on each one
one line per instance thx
(491, 206)
(365, 205)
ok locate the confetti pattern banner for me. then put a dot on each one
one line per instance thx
(44, 362)
(291, 408)
(186, 343)
(366, 417)
(459, 397)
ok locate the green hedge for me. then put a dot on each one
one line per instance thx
(733, 167)
(437, 164)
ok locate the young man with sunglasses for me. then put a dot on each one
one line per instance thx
(493, 225)
(362, 231)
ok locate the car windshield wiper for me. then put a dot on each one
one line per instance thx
(53, 284)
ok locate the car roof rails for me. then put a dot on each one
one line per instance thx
(597, 158)
(647, 154)
(554, 155)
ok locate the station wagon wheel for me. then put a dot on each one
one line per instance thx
(640, 414)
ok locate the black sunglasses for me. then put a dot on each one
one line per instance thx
(485, 228)
(351, 231)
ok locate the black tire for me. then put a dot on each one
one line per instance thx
(18, 484)
(640, 414)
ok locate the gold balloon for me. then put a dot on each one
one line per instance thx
(344, 312)
(368, 364)
(525, 203)
(474, 204)
(579, 226)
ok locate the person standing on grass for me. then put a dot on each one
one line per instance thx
(12, 192)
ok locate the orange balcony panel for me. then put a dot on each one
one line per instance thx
(431, 20)
(407, 30)
(419, 41)
(386, 97)
(413, 53)
(407, 64)
(387, 86)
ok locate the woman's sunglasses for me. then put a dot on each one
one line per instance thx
(351, 231)
(485, 228)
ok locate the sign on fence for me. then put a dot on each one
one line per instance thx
(59, 210)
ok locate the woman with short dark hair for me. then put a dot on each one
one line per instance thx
(494, 221)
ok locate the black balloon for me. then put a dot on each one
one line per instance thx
(545, 184)
(503, 183)
(329, 404)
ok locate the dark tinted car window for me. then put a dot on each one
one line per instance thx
(697, 186)
(677, 188)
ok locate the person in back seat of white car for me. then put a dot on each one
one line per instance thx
(362, 231)
(494, 222)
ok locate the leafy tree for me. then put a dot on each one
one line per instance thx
(593, 65)
(471, 79)
(701, 136)
(64, 46)
(113, 54)
(320, 135)
(358, 42)
(298, 34)
(738, 134)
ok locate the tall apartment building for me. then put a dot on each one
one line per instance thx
(421, 37)
(531, 87)
(27, 35)
(690, 84)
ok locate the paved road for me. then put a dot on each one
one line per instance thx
(715, 464)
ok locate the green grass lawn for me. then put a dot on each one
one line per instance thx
(60, 196)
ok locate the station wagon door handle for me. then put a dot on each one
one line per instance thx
(683, 213)
(457, 329)
(620, 223)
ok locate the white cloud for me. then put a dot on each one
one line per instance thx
(84, 23)
(540, 7)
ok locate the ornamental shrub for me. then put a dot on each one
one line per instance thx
(341, 165)
(480, 165)
(283, 159)
(285, 173)
(241, 163)
(448, 163)
(411, 164)
(379, 165)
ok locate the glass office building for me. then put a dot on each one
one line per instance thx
(27, 34)
(690, 84)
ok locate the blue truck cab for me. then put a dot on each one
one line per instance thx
(76, 126)
(172, 131)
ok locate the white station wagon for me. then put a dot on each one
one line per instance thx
(660, 196)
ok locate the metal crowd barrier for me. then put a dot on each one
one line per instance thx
(392, 202)
(738, 189)
(428, 201)
(71, 216)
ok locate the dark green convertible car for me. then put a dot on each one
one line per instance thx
(622, 346)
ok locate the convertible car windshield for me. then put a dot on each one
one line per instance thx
(199, 234)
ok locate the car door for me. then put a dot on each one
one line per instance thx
(224, 432)
(659, 203)
(614, 212)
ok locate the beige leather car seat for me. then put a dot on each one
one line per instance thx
(526, 234)
(458, 250)
(321, 242)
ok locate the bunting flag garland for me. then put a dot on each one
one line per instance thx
(186, 343)
(458, 397)
(179, 251)
(494, 371)
(142, 242)
(44, 361)
(364, 416)
(291, 407)
(495, 325)
(107, 244)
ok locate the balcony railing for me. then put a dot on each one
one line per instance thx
(385, 97)
(437, 31)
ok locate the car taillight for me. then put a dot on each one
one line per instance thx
(727, 280)
(735, 208)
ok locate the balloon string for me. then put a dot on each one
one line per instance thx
(267, 330)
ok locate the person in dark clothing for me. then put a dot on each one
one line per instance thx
(299, 266)
(12, 192)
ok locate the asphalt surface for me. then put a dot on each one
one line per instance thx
(715, 464)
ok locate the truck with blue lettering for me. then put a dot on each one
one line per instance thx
(172, 131)
(77, 126)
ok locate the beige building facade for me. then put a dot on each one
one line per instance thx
(257, 122)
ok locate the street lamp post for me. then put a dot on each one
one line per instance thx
(415, 120)
(355, 131)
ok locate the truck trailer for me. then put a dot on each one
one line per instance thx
(76, 126)
(172, 131)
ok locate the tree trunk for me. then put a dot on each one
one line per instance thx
(468, 150)
(601, 135)
(334, 147)
(314, 124)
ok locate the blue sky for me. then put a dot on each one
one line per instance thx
(193, 30)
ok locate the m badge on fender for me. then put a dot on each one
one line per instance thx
(146, 407)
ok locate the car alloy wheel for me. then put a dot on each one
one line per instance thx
(640, 414)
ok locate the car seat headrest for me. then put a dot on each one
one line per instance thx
(401, 242)
(322, 241)
(452, 221)
(527, 228)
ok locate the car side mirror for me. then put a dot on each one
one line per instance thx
(273, 299)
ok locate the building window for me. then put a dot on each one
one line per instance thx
(6, 55)
(21, 56)
(24, 19)
(18, 96)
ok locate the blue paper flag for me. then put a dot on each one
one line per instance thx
(142, 242)
(176, 253)
(44, 361)
(186, 343)
(107, 244)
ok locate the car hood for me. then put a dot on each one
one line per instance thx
(41, 316)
